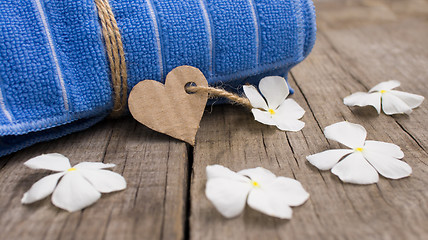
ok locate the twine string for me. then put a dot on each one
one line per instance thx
(218, 92)
(115, 54)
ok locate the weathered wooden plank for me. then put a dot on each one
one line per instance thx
(152, 206)
(391, 209)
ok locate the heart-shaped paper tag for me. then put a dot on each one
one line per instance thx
(168, 108)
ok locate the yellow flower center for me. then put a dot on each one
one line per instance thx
(359, 149)
(255, 184)
(271, 111)
(382, 91)
(71, 169)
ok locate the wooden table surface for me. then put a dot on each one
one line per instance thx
(359, 44)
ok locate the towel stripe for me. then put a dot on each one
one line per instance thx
(4, 109)
(54, 56)
(256, 28)
(157, 35)
(301, 34)
(209, 33)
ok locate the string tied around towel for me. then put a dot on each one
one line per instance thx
(115, 55)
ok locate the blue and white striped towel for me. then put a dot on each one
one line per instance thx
(54, 75)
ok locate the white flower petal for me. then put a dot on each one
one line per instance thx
(412, 100)
(388, 85)
(287, 190)
(228, 196)
(51, 161)
(260, 175)
(384, 148)
(263, 117)
(274, 89)
(104, 181)
(218, 171)
(349, 134)
(41, 188)
(74, 192)
(355, 169)
(266, 203)
(364, 99)
(289, 124)
(255, 98)
(393, 105)
(94, 165)
(388, 166)
(227, 190)
(327, 159)
(290, 109)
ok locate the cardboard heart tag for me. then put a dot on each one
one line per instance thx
(168, 108)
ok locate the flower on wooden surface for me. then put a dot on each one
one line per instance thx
(393, 101)
(276, 110)
(361, 163)
(79, 187)
(261, 189)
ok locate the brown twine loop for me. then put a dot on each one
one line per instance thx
(218, 92)
(116, 55)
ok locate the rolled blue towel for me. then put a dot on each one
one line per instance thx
(54, 72)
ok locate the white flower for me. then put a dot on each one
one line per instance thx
(393, 102)
(263, 191)
(80, 185)
(361, 163)
(278, 111)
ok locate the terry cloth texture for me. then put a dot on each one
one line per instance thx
(54, 74)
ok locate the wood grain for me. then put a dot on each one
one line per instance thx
(359, 44)
(152, 207)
